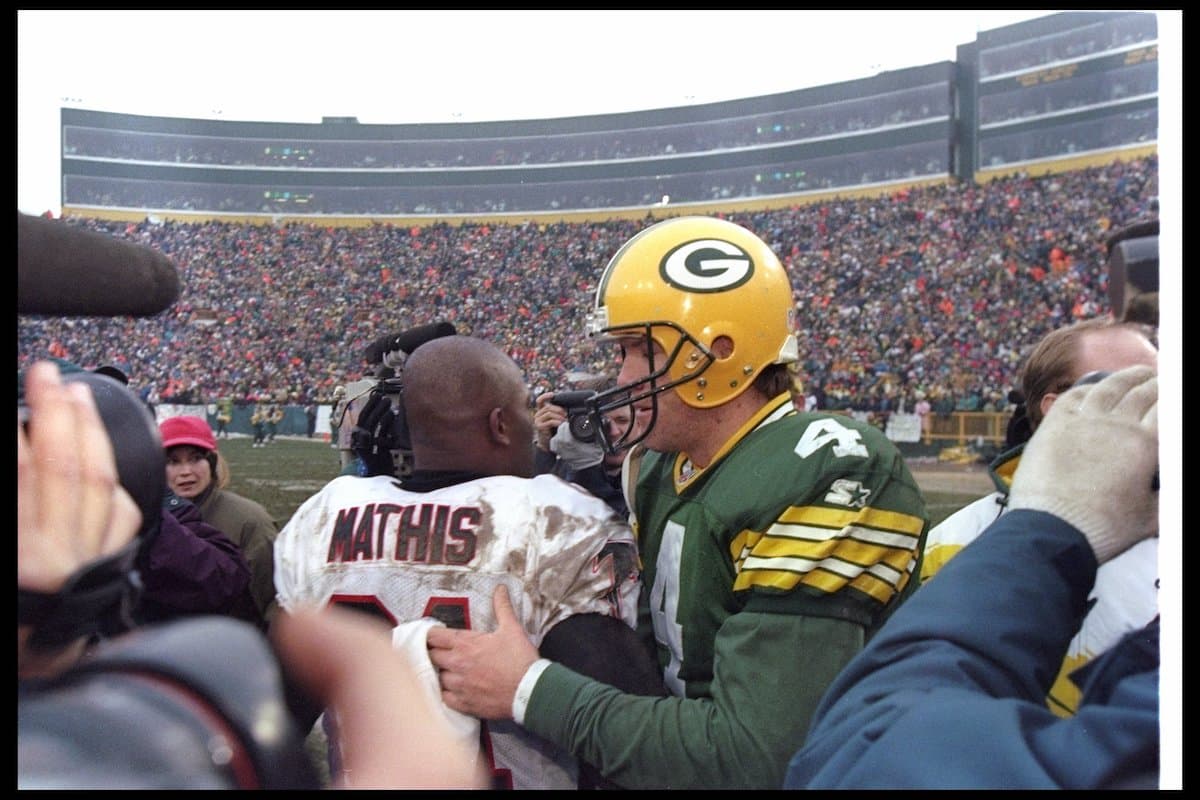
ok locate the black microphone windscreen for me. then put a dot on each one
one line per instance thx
(407, 341)
(66, 270)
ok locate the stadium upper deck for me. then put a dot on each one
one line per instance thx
(1072, 86)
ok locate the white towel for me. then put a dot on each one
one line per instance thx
(409, 639)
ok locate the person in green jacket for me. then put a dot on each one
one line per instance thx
(774, 541)
(197, 472)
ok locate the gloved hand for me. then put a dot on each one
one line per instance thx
(1093, 460)
(577, 454)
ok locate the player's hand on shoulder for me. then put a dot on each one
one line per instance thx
(479, 672)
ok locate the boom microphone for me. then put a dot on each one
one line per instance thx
(66, 270)
(406, 341)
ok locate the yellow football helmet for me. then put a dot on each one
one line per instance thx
(685, 282)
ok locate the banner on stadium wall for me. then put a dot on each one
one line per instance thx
(167, 410)
(904, 427)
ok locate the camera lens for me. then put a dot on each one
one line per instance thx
(582, 426)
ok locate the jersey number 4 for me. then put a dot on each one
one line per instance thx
(846, 442)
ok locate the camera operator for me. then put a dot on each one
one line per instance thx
(573, 453)
(193, 703)
(1133, 272)
(368, 414)
(187, 566)
(190, 704)
(71, 512)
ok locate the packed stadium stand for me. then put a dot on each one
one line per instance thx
(936, 221)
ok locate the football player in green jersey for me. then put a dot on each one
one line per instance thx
(774, 541)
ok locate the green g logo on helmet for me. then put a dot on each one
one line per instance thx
(707, 265)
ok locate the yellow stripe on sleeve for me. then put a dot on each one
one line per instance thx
(872, 549)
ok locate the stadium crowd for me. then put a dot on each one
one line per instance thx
(911, 161)
(930, 292)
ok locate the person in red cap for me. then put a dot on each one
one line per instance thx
(196, 471)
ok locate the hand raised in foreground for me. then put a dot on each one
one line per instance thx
(71, 508)
(479, 672)
(390, 736)
(1093, 459)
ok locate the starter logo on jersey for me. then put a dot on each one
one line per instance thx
(707, 265)
(845, 492)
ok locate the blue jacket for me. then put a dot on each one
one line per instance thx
(949, 694)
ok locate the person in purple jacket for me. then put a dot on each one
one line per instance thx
(189, 567)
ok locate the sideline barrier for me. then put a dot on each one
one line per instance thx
(964, 427)
(957, 428)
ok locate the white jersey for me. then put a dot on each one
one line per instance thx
(1124, 598)
(406, 555)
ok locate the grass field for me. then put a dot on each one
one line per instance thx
(281, 475)
(286, 472)
(942, 504)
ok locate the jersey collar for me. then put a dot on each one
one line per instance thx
(1003, 467)
(777, 408)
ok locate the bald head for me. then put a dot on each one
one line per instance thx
(467, 408)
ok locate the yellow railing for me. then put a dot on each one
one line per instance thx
(963, 427)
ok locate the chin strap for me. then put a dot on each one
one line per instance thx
(99, 596)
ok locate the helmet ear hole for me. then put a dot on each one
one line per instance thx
(722, 347)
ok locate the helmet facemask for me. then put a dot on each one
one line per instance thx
(659, 378)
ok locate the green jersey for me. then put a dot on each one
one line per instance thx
(764, 573)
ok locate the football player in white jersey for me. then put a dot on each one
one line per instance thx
(471, 517)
